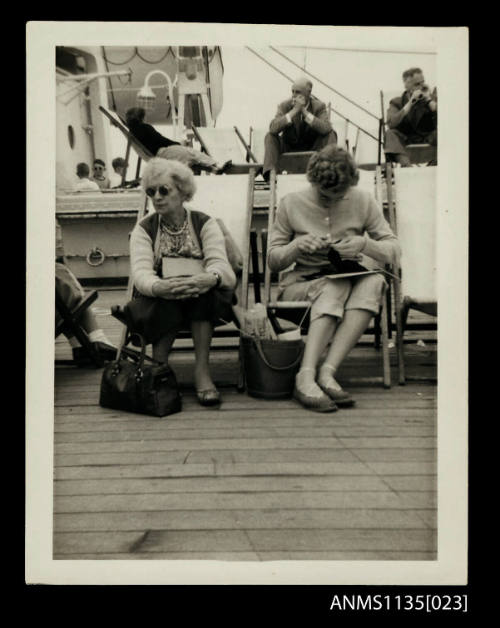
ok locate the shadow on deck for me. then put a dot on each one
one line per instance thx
(254, 480)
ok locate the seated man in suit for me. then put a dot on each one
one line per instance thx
(411, 118)
(301, 124)
(161, 146)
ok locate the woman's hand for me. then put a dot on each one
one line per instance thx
(310, 243)
(203, 282)
(176, 288)
(350, 246)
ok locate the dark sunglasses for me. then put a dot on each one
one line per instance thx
(162, 189)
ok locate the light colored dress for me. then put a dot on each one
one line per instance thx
(357, 213)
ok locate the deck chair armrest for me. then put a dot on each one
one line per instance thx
(77, 311)
(288, 304)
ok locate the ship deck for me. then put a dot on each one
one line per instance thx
(255, 480)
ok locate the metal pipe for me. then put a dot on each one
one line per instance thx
(170, 95)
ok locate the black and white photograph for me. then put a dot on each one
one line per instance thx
(248, 361)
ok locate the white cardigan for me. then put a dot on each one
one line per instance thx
(145, 250)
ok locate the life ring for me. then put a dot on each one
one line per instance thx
(95, 257)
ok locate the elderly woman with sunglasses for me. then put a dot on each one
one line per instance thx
(331, 213)
(197, 301)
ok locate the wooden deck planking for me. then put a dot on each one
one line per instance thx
(239, 485)
(256, 556)
(255, 480)
(345, 544)
(386, 500)
(273, 518)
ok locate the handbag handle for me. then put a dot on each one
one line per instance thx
(140, 361)
(277, 368)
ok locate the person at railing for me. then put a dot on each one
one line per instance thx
(411, 118)
(115, 178)
(119, 167)
(99, 175)
(161, 146)
(169, 303)
(71, 292)
(85, 184)
(300, 124)
(331, 213)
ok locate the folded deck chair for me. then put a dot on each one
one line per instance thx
(230, 200)
(294, 310)
(412, 207)
(224, 145)
(418, 153)
(70, 322)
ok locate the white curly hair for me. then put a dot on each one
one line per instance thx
(182, 176)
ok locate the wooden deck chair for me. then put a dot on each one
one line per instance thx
(70, 322)
(371, 181)
(412, 209)
(224, 145)
(365, 151)
(341, 126)
(294, 310)
(418, 153)
(294, 163)
(290, 163)
(132, 141)
(230, 200)
(257, 143)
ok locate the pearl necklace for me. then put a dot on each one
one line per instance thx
(174, 230)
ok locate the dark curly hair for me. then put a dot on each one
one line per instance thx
(135, 114)
(332, 168)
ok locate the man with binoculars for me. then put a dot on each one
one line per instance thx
(411, 118)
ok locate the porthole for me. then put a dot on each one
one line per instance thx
(71, 136)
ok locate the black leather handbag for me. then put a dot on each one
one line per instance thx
(131, 385)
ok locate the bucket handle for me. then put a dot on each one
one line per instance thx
(271, 366)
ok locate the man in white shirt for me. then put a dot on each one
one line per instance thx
(115, 177)
(85, 184)
(300, 124)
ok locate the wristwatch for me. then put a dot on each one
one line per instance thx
(218, 277)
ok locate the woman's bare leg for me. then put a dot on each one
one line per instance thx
(319, 335)
(161, 349)
(202, 337)
(347, 335)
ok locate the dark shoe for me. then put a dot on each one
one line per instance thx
(341, 397)
(118, 313)
(225, 166)
(81, 357)
(107, 352)
(209, 397)
(321, 404)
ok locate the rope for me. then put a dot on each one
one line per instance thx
(406, 52)
(115, 62)
(270, 64)
(153, 62)
(136, 53)
(325, 84)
